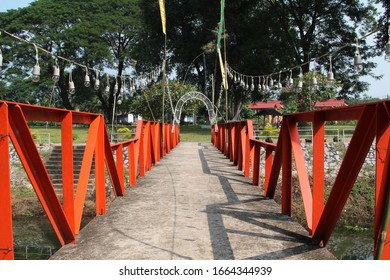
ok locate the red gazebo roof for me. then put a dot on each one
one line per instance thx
(274, 104)
(330, 103)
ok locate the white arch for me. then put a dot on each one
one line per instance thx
(199, 96)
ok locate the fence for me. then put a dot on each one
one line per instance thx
(343, 134)
(144, 150)
(236, 141)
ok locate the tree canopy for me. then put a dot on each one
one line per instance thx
(124, 37)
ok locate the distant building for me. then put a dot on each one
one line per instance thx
(331, 103)
(271, 109)
(269, 106)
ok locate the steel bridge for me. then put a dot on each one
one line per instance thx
(194, 203)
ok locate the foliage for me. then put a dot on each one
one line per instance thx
(124, 133)
(97, 33)
(153, 96)
(304, 100)
(261, 37)
(269, 130)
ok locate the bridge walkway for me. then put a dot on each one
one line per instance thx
(193, 205)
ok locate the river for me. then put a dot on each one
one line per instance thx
(35, 239)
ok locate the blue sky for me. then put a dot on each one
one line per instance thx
(379, 88)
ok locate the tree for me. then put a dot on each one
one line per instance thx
(308, 29)
(267, 36)
(148, 103)
(261, 37)
(299, 100)
(98, 34)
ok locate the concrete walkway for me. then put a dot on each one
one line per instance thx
(193, 205)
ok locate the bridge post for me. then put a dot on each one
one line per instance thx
(381, 230)
(132, 165)
(286, 169)
(268, 165)
(68, 168)
(318, 168)
(256, 164)
(6, 234)
(301, 171)
(247, 152)
(99, 170)
(120, 167)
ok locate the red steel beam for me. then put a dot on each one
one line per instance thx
(318, 168)
(120, 166)
(381, 241)
(100, 181)
(348, 172)
(147, 146)
(301, 170)
(286, 170)
(142, 152)
(241, 135)
(256, 164)
(247, 151)
(276, 166)
(68, 168)
(231, 141)
(268, 166)
(339, 114)
(132, 164)
(111, 167)
(85, 171)
(25, 146)
(6, 236)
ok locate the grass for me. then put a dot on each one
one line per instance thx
(40, 134)
(194, 134)
(188, 133)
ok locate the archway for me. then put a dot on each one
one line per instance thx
(199, 96)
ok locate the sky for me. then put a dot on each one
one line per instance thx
(378, 88)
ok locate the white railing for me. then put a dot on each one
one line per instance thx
(306, 134)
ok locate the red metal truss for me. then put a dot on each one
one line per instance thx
(143, 151)
(373, 121)
(6, 236)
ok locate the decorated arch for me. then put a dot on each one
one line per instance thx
(199, 96)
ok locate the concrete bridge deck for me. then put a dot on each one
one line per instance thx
(196, 205)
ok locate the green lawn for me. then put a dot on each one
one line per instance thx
(40, 134)
(194, 134)
(187, 134)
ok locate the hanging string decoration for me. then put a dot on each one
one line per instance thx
(136, 82)
(266, 82)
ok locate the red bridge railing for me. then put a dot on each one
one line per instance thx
(236, 141)
(143, 151)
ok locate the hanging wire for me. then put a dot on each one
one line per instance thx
(269, 76)
(68, 61)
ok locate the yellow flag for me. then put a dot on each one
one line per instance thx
(162, 13)
(223, 71)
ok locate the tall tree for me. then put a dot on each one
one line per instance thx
(98, 34)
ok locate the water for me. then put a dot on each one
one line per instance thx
(34, 239)
(352, 245)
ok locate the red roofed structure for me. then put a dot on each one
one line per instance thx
(271, 104)
(331, 103)
(271, 108)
